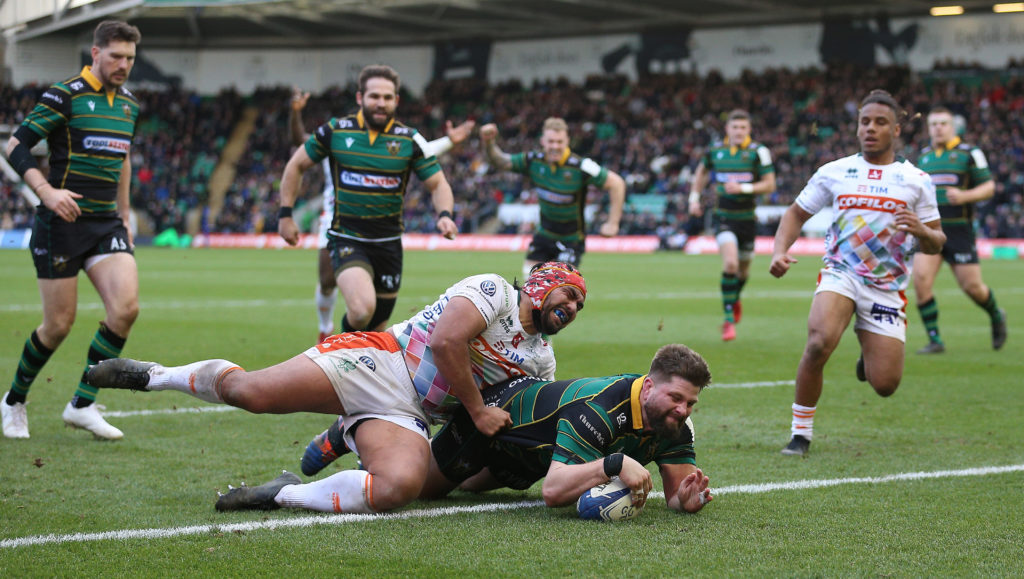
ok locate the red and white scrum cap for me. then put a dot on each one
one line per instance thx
(549, 276)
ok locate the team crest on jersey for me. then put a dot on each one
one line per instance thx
(127, 111)
(369, 363)
(393, 147)
(488, 287)
(875, 174)
(566, 175)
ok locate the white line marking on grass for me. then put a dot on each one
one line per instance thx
(309, 521)
(753, 384)
(196, 410)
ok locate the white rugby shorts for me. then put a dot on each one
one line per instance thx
(878, 311)
(368, 372)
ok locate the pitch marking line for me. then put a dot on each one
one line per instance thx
(309, 521)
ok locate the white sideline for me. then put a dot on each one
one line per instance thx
(311, 520)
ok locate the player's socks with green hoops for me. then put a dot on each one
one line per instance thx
(991, 307)
(930, 318)
(33, 358)
(730, 293)
(105, 345)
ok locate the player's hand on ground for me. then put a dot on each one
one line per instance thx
(637, 478)
(288, 230)
(780, 264)
(609, 229)
(693, 492)
(447, 227)
(460, 133)
(488, 132)
(60, 201)
(490, 419)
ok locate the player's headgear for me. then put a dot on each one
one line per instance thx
(545, 278)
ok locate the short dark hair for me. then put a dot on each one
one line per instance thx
(679, 360)
(115, 30)
(882, 97)
(378, 71)
(738, 115)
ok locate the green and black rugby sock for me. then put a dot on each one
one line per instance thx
(33, 358)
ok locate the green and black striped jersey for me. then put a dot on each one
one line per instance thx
(955, 165)
(582, 420)
(89, 131)
(370, 172)
(561, 191)
(747, 163)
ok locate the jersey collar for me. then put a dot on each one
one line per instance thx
(732, 148)
(96, 84)
(952, 144)
(372, 134)
(565, 157)
(634, 403)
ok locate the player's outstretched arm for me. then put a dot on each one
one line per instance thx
(489, 137)
(295, 129)
(789, 230)
(564, 483)
(700, 180)
(444, 203)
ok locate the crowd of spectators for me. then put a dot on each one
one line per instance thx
(651, 131)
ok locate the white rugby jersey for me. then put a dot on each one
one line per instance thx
(863, 239)
(503, 350)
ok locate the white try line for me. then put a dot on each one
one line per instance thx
(202, 409)
(312, 520)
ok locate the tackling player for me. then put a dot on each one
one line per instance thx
(884, 209)
(579, 433)
(386, 385)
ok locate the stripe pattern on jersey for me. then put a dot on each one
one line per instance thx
(561, 191)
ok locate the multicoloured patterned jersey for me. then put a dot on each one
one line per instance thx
(862, 239)
(955, 165)
(89, 131)
(561, 191)
(503, 350)
(746, 163)
(582, 420)
(370, 172)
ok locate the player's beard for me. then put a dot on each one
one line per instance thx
(371, 120)
(658, 421)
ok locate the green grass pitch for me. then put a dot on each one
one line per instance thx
(955, 412)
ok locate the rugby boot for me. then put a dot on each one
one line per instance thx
(259, 498)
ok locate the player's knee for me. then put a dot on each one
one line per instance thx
(819, 347)
(395, 489)
(126, 313)
(56, 328)
(885, 386)
(237, 390)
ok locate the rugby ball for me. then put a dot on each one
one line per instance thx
(611, 501)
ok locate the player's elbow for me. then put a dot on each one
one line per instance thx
(554, 496)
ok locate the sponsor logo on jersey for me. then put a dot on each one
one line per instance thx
(945, 179)
(39, 251)
(885, 314)
(875, 174)
(373, 181)
(107, 144)
(488, 287)
(869, 203)
(402, 131)
(393, 147)
(556, 198)
(92, 105)
(852, 173)
(739, 177)
(517, 339)
(876, 189)
(53, 97)
(369, 363)
(348, 142)
(591, 428)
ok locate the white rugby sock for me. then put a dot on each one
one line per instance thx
(349, 491)
(803, 421)
(325, 309)
(200, 379)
